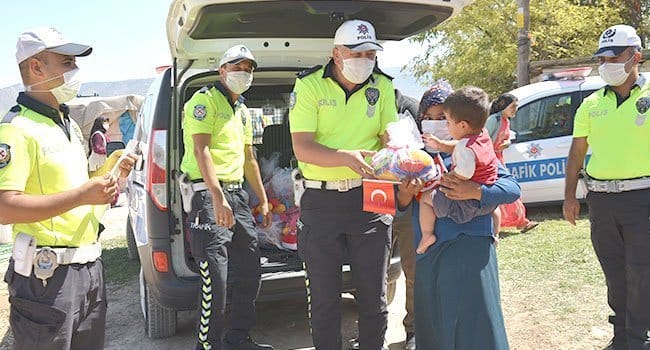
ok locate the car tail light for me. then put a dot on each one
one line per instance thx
(160, 261)
(157, 167)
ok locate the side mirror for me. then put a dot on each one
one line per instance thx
(114, 146)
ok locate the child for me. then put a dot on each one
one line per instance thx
(473, 157)
(502, 110)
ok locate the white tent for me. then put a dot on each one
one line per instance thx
(84, 110)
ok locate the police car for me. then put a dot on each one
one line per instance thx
(285, 37)
(543, 128)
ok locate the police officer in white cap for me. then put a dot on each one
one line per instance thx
(338, 116)
(614, 123)
(218, 138)
(55, 275)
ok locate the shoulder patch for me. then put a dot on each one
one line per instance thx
(199, 112)
(309, 71)
(292, 99)
(5, 155)
(205, 89)
(13, 112)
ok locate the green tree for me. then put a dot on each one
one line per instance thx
(478, 47)
(637, 12)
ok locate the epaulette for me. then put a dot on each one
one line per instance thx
(205, 89)
(13, 112)
(379, 71)
(308, 71)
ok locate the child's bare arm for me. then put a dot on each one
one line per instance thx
(434, 142)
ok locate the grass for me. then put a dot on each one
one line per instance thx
(552, 285)
(552, 288)
(118, 268)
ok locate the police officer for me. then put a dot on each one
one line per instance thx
(614, 123)
(218, 155)
(338, 116)
(55, 276)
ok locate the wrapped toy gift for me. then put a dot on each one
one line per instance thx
(278, 185)
(404, 157)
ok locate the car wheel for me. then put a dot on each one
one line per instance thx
(130, 241)
(390, 292)
(159, 321)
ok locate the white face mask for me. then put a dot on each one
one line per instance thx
(357, 70)
(614, 74)
(437, 128)
(238, 81)
(106, 126)
(64, 92)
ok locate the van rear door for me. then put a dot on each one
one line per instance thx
(288, 33)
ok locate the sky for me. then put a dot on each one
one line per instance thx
(128, 36)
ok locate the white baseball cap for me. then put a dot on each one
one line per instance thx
(41, 39)
(616, 39)
(237, 54)
(357, 35)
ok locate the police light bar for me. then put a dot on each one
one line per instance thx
(161, 69)
(571, 73)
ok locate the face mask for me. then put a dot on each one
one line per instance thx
(238, 81)
(614, 74)
(437, 128)
(106, 126)
(64, 92)
(357, 70)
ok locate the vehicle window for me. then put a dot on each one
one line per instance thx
(146, 114)
(548, 117)
(144, 119)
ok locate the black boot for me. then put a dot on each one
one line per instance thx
(245, 344)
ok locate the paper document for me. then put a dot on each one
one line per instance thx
(130, 149)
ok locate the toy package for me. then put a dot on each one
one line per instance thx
(404, 157)
(278, 184)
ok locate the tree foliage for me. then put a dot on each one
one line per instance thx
(479, 46)
(638, 14)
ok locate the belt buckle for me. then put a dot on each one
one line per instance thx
(231, 186)
(45, 262)
(343, 186)
(612, 186)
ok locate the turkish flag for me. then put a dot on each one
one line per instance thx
(379, 196)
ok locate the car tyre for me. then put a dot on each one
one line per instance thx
(159, 321)
(131, 247)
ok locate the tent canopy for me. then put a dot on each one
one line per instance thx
(84, 110)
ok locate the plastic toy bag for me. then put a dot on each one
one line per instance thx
(404, 133)
(413, 163)
(278, 185)
(268, 166)
(404, 157)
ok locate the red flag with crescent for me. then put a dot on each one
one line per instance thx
(379, 196)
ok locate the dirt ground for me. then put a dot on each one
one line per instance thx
(284, 324)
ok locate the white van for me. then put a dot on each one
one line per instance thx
(286, 37)
(544, 128)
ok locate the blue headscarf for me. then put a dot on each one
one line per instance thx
(436, 95)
